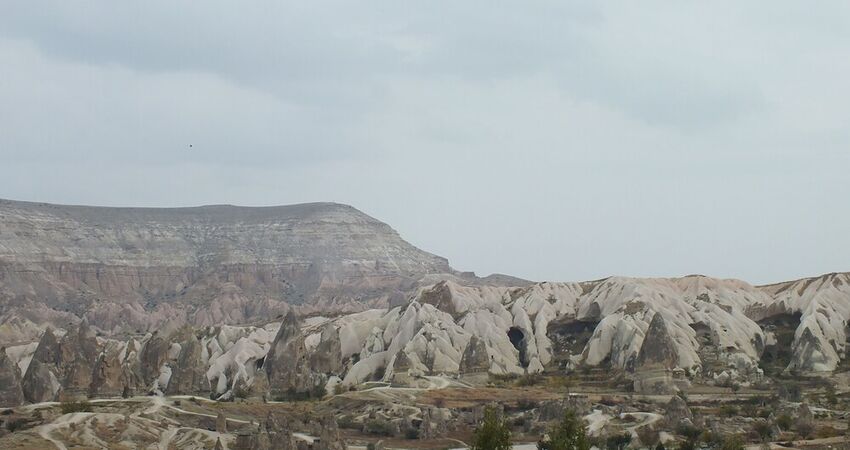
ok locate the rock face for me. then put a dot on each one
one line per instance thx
(475, 358)
(40, 383)
(821, 338)
(136, 268)
(656, 360)
(329, 437)
(147, 273)
(327, 357)
(677, 411)
(65, 366)
(79, 352)
(287, 365)
(657, 349)
(188, 373)
(10, 382)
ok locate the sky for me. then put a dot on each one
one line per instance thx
(547, 140)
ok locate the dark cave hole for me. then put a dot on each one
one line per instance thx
(517, 338)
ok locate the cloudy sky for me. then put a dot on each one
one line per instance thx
(548, 140)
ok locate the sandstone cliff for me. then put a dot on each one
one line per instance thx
(132, 269)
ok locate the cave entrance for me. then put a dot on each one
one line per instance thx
(517, 338)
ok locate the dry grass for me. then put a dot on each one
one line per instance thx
(462, 397)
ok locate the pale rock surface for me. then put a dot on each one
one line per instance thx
(824, 302)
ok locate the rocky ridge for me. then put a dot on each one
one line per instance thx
(226, 314)
(133, 269)
(650, 328)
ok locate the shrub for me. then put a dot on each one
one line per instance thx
(690, 432)
(784, 422)
(763, 429)
(411, 433)
(16, 425)
(531, 379)
(648, 436)
(733, 442)
(805, 429)
(526, 404)
(729, 410)
(688, 445)
(379, 427)
(319, 391)
(493, 434)
(347, 422)
(618, 441)
(68, 407)
(569, 434)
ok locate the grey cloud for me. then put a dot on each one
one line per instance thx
(551, 140)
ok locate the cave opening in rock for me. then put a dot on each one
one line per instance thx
(517, 338)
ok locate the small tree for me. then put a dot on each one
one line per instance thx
(733, 442)
(829, 396)
(763, 429)
(784, 422)
(618, 441)
(568, 434)
(735, 387)
(493, 434)
(805, 429)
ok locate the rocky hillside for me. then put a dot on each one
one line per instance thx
(129, 269)
(662, 333)
(192, 301)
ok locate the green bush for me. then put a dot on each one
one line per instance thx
(728, 410)
(618, 441)
(568, 434)
(784, 422)
(378, 427)
(493, 434)
(733, 442)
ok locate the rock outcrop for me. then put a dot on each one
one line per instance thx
(136, 268)
(147, 273)
(79, 353)
(287, 365)
(188, 372)
(10, 382)
(327, 357)
(676, 411)
(656, 360)
(475, 357)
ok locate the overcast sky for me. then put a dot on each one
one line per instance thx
(547, 140)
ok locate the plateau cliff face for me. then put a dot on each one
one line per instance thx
(133, 268)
